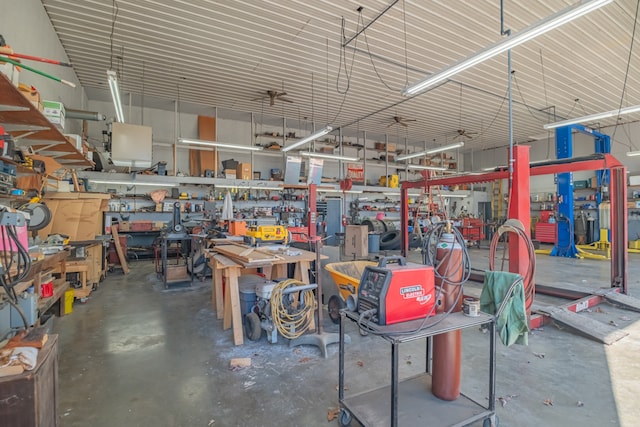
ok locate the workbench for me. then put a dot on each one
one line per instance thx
(227, 267)
(30, 399)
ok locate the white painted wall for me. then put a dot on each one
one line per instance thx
(27, 29)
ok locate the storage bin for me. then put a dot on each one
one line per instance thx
(247, 296)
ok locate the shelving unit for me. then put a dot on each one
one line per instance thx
(29, 126)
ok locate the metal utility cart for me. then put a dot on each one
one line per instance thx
(409, 402)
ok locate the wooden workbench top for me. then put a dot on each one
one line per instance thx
(250, 257)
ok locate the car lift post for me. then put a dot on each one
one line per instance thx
(520, 208)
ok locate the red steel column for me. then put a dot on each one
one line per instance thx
(312, 216)
(520, 208)
(619, 228)
(404, 220)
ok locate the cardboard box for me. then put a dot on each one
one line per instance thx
(78, 215)
(177, 272)
(75, 140)
(243, 171)
(54, 111)
(356, 241)
(158, 207)
(12, 73)
(159, 225)
(391, 146)
(230, 173)
(124, 226)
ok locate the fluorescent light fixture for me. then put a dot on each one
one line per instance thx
(354, 192)
(427, 168)
(391, 194)
(493, 168)
(548, 24)
(460, 196)
(245, 187)
(633, 153)
(431, 151)
(329, 156)
(115, 94)
(592, 117)
(130, 183)
(218, 144)
(309, 138)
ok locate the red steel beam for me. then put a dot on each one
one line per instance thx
(606, 162)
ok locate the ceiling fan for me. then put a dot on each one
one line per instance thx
(274, 96)
(398, 120)
(466, 134)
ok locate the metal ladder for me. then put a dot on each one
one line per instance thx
(496, 199)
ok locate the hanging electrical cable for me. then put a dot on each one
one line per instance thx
(626, 74)
(16, 264)
(516, 227)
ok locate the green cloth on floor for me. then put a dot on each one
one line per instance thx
(512, 324)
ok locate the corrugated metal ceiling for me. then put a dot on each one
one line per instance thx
(225, 53)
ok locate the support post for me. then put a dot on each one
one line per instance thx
(520, 208)
(565, 245)
(619, 228)
(404, 220)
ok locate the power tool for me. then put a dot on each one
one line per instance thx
(257, 234)
(394, 293)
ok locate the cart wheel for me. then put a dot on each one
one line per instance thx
(334, 306)
(363, 333)
(345, 417)
(252, 325)
(491, 423)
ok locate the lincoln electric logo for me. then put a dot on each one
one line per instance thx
(415, 292)
(410, 292)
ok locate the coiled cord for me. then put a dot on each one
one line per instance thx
(292, 317)
(516, 227)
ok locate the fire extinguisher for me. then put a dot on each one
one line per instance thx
(344, 220)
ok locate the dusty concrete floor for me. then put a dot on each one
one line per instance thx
(136, 355)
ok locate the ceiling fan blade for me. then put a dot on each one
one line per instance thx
(410, 120)
(403, 124)
(259, 99)
(284, 99)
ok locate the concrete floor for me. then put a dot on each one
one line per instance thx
(136, 355)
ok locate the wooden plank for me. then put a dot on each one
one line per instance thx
(626, 301)
(74, 178)
(121, 256)
(235, 251)
(584, 325)
(236, 314)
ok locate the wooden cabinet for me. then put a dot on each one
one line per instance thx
(30, 399)
(95, 257)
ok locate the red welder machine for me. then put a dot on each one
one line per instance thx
(398, 292)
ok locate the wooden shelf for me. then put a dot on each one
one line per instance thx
(23, 121)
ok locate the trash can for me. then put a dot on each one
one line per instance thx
(374, 243)
(247, 297)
